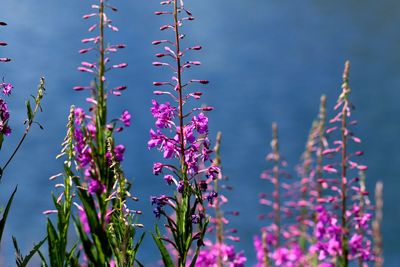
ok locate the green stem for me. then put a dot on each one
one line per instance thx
(38, 100)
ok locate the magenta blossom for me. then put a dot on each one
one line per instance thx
(7, 88)
(126, 118)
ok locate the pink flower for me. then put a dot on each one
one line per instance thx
(126, 118)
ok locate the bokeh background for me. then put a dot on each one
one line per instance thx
(266, 60)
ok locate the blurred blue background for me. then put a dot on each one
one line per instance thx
(266, 60)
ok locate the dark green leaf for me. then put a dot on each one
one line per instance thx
(35, 249)
(5, 213)
(163, 250)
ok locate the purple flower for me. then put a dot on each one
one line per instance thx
(126, 118)
(156, 139)
(212, 196)
(169, 149)
(7, 88)
(180, 186)
(355, 243)
(169, 179)
(195, 218)
(160, 201)
(95, 187)
(157, 168)
(201, 123)
(4, 116)
(119, 151)
(79, 114)
(83, 151)
(213, 171)
(84, 220)
(164, 114)
(209, 256)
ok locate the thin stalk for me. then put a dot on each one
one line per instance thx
(265, 248)
(321, 143)
(346, 91)
(184, 215)
(180, 99)
(305, 183)
(218, 212)
(377, 224)
(101, 118)
(276, 193)
(362, 210)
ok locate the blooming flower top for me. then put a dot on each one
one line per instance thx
(92, 129)
(354, 217)
(181, 132)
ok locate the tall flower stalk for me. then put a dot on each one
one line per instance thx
(105, 225)
(377, 225)
(277, 241)
(342, 220)
(189, 144)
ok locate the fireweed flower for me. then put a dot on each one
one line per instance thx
(183, 135)
(105, 224)
(220, 253)
(346, 194)
(277, 245)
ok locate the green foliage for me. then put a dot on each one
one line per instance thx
(22, 261)
(5, 213)
(166, 258)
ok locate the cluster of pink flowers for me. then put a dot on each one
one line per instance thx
(189, 141)
(220, 254)
(327, 218)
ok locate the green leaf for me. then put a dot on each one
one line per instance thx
(35, 249)
(71, 260)
(136, 248)
(86, 243)
(163, 250)
(29, 112)
(5, 213)
(139, 242)
(52, 244)
(43, 258)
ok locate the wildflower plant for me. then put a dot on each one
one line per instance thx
(181, 133)
(349, 244)
(105, 225)
(278, 242)
(332, 214)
